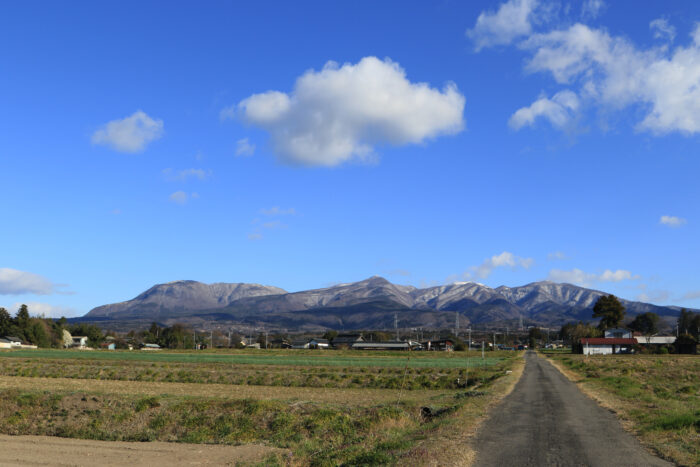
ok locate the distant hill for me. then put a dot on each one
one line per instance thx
(368, 304)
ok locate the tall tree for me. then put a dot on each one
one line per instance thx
(5, 322)
(689, 323)
(23, 317)
(609, 310)
(646, 323)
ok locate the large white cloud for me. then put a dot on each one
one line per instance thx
(612, 72)
(14, 282)
(604, 71)
(130, 134)
(511, 21)
(579, 277)
(342, 112)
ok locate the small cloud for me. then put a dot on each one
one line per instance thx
(277, 211)
(15, 282)
(662, 29)
(556, 256)
(692, 295)
(512, 20)
(179, 197)
(244, 148)
(273, 225)
(255, 236)
(592, 8)
(579, 277)
(559, 110)
(195, 195)
(185, 174)
(116, 212)
(672, 221)
(652, 296)
(505, 259)
(131, 134)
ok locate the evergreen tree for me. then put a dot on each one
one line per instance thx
(609, 310)
(646, 323)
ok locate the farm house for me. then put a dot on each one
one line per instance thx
(607, 345)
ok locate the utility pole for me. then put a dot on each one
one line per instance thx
(470, 339)
(494, 341)
(396, 325)
(229, 338)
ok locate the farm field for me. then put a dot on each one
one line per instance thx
(656, 396)
(314, 408)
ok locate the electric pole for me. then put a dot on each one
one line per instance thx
(396, 325)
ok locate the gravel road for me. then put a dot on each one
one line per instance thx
(548, 421)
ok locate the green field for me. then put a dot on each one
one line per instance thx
(323, 407)
(275, 357)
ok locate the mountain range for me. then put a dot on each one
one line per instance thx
(369, 304)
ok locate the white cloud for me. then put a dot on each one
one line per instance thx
(179, 197)
(244, 148)
(130, 134)
(592, 8)
(277, 211)
(255, 236)
(579, 277)
(48, 311)
(511, 21)
(14, 282)
(185, 174)
(558, 110)
(556, 255)
(663, 30)
(505, 259)
(672, 221)
(342, 112)
(614, 74)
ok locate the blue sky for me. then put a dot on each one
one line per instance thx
(308, 143)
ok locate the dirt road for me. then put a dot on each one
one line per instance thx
(548, 421)
(46, 450)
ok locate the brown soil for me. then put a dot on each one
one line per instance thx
(46, 450)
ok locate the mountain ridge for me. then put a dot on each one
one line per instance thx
(370, 303)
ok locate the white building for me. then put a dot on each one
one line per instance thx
(607, 345)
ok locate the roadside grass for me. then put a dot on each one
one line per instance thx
(657, 397)
(350, 426)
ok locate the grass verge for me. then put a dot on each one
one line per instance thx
(657, 397)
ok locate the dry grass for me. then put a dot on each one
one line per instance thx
(319, 425)
(448, 443)
(223, 391)
(656, 397)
